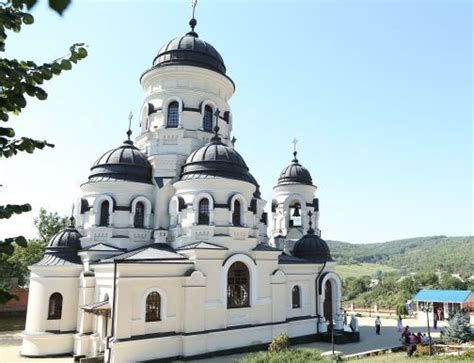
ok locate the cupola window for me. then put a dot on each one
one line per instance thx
(104, 214)
(238, 286)
(236, 221)
(139, 218)
(207, 118)
(296, 297)
(153, 307)
(203, 217)
(55, 307)
(173, 115)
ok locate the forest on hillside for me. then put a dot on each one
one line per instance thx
(418, 255)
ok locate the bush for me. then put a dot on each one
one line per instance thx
(422, 350)
(286, 356)
(279, 343)
(469, 354)
(402, 309)
(458, 330)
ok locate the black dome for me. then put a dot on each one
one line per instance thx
(62, 248)
(123, 163)
(295, 173)
(216, 160)
(190, 50)
(312, 248)
(67, 238)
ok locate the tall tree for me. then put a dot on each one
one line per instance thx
(49, 223)
(20, 79)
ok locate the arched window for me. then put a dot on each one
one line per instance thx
(153, 305)
(203, 217)
(55, 307)
(236, 214)
(139, 218)
(207, 118)
(295, 215)
(173, 114)
(296, 297)
(238, 286)
(104, 213)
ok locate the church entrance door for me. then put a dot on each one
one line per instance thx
(328, 302)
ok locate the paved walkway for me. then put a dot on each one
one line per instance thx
(10, 342)
(388, 338)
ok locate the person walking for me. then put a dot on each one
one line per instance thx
(400, 324)
(435, 321)
(378, 324)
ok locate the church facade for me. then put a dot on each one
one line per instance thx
(171, 252)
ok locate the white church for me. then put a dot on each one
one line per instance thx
(171, 254)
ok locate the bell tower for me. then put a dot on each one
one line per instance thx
(184, 88)
(294, 206)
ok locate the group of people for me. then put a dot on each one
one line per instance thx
(411, 340)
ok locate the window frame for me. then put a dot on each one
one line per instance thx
(231, 300)
(296, 292)
(172, 115)
(157, 303)
(104, 212)
(204, 217)
(55, 306)
(208, 111)
(138, 216)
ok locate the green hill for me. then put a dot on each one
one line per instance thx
(449, 254)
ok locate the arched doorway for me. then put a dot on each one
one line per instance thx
(327, 305)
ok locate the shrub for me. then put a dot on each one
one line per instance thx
(402, 309)
(286, 356)
(469, 354)
(458, 330)
(279, 343)
(422, 350)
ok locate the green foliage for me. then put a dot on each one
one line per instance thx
(20, 79)
(458, 330)
(286, 356)
(16, 264)
(448, 282)
(422, 254)
(402, 309)
(48, 224)
(279, 343)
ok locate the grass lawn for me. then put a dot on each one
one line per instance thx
(362, 269)
(12, 321)
(402, 357)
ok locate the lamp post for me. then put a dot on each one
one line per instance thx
(428, 308)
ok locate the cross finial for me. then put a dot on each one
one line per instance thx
(295, 141)
(193, 21)
(193, 7)
(71, 218)
(129, 131)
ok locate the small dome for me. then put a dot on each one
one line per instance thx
(68, 238)
(216, 160)
(123, 163)
(191, 51)
(295, 173)
(62, 248)
(312, 248)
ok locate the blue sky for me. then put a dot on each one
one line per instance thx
(379, 93)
